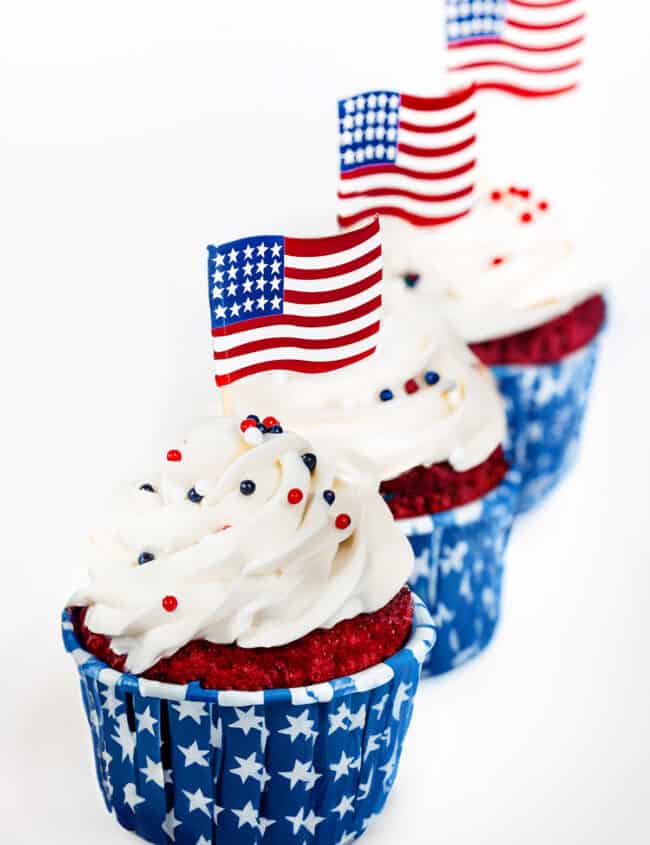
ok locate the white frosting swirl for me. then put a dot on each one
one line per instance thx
(540, 276)
(460, 418)
(278, 571)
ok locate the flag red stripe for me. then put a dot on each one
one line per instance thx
(477, 42)
(447, 127)
(371, 169)
(310, 247)
(400, 192)
(330, 272)
(436, 103)
(300, 321)
(392, 211)
(316, 297)
(297, 343)
(293, 365)
(541, 27)
(524, 68)
(437, 152)
(525, 92)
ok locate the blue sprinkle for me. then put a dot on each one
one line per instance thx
(146, 557)
(431, 377)
(253, 417)
(275, 429)
(193, 496)
(329, 496)
(147, 487)
(386, 395)
(411, 279)
(309, 460)
(247, 487)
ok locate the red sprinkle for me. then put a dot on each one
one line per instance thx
(244, 425)
(543, 205)
(513, 190)
(223, 527)
(526, 217)
(294, 496)
(342, 521)
(170, 603)
(411, 386)
(497, 260)
(525, 193)
(267, 422)
(495, 196)
(174, 455)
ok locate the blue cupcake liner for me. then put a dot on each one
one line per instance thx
(458, 571)
(545, 407)
(190, 766)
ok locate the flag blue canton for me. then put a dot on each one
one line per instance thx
(246, 279)
(477, 19)
(368, 129)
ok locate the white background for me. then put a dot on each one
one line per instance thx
(134, 133)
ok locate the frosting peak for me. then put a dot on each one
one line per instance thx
(240, 545)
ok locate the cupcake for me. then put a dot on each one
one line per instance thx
(516, 289)
(247, 651)
(423, 416)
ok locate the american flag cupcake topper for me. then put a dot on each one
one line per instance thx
(528, 48)
(310, 305)
(408, 157)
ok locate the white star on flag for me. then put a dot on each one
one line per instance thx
(194, 755)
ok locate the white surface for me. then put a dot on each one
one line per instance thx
(132, 134)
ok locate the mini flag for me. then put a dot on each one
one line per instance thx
(529, 48)
(405, 156)
(310, 305)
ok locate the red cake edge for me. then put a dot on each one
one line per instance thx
(322, 655)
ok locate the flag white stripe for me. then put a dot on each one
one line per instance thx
(336, 259)
(407, 183)
(333, 282)
(223, 343)
(327, 309)
(508, 76)
(437, 140)
(419, 207)
(438, 118)
(436, 164)
(229, 365)
(498, 52)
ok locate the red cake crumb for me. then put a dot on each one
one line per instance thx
(549, 342)
(425, 490)
(349, 647)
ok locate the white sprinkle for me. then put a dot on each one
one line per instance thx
(253, 436)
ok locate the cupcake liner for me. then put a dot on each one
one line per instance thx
(191, 766)
(545, 406)
(458, 571)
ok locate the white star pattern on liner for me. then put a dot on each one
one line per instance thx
(167, 776)
(345, 805)
(216, 810)
(146, 721)
(170, 824)
(248, 816)
(453, 558)
(198, 801)
(379, 706)
(344, 765)
(358, 719)
(420, 567)
(124, 738)
(203, 841)
(364, 788)
(389, 770)
(309, 822)
(401, 697)
(339, 720)
(131, 797)
(111, 702)
(346, 839)
(153, 772)
(301, 773)
(373, 745)
(248, 767)
(194, 755)
(300, 725)
(216, 734)
(247, 721)
(194, 710)
(106, 757)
